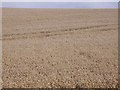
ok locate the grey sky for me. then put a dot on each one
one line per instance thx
(60, 4)
(60, 0)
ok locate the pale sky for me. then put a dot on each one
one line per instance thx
(60, 4)
(60, 0)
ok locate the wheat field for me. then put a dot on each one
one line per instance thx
(66, 48)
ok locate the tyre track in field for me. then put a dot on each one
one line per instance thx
(42, 34)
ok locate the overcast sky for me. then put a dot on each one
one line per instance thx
(60, 4)
(59, 0)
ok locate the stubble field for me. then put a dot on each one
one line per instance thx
(60, 48)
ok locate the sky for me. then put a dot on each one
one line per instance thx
(59, 0)
(59, 4)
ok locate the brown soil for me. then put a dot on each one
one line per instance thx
(60, 48)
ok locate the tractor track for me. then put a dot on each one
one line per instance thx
(42, 34)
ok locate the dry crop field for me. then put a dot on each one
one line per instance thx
(60, 48)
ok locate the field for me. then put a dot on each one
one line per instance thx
(60, 48)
